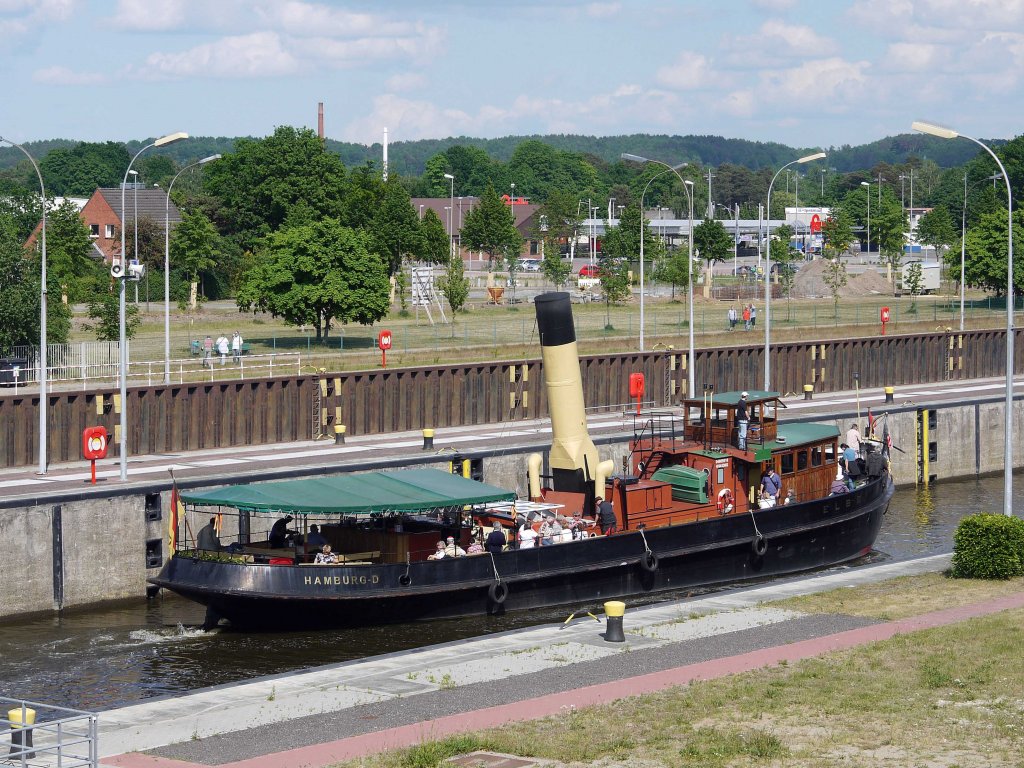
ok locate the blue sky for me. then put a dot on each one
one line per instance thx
(819, 73)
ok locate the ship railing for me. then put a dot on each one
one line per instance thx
(49, 735)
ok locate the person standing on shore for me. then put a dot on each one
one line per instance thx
(236, 347)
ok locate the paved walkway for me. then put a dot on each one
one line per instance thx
(315, 718)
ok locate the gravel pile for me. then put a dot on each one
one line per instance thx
(810, 282)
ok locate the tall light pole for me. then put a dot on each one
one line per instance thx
(711, 207)
(135, 222)
(451, 218)
(167, 265)
(643, 225)
(867, 185)
(43, 399)
(122, 345)
(691, 363)
(768, 267)
(946, 133)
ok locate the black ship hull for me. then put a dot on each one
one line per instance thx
(792, 539)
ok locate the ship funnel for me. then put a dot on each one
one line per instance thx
(574, 459)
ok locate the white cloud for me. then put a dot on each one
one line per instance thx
(149, 16)
(738, 103)
(257, 55)
(691, 70)
(406, 81)
(65, 76)
(27, 16)
(818, 81)
(913, 57)
(603, 10)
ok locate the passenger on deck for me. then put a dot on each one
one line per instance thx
(853, 438)
(606, 516)
(742, 422)
(315, 539)
(770, 487)
(325, 556)
(838, 487)
(207, 540)
(495, 539)
(578, 525)
(451, 549)
(550, 531)
(439, 553)
(527, 537)
(790, 497)
(847, 457)
(477, 547)
(280, 532)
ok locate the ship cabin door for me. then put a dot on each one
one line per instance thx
(726, 478)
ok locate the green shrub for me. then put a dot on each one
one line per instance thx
(989, 547)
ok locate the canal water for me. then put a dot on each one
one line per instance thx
(103, 658)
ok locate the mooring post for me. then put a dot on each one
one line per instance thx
(428, 439)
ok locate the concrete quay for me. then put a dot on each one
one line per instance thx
(324, 715)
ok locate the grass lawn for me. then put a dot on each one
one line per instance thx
(945, 697)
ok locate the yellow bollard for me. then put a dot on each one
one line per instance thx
(808, 391)
(613, 611)
(428, 439)
(21, 734)
(339, 434)
(889, 392)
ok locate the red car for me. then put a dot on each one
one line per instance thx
(590, 270)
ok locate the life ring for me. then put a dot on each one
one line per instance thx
(725, 501)
(497, 592)
(759, 545)
(649, 561)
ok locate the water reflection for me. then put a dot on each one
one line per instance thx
(103, 658)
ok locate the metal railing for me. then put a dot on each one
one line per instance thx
(44, 733)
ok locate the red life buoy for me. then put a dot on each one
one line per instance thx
(725, 500)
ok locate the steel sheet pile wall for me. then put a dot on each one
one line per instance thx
(219, 414)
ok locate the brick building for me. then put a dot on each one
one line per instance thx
(103, 216)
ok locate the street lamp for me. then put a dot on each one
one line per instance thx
(867, 185)
(675, 170)
(122, 345)
(768, 266)
(43, 400)
(167, 265)
(946, 133)
(451, 218)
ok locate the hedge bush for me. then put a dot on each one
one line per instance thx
(989, 546)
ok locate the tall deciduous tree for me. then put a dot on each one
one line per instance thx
(837, 233)
(937, 228)
(318, 273)
(263, 179)
(454, 285)
(196, 248)
(80, 170)
(105, 309)
(986, 248)
(713, 243)
(20, 295)
(70, 255)
(395, 225)
(490, 228)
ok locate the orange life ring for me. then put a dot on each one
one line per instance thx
(725, 499)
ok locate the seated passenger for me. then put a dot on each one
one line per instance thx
(838, 487)
(495, 539)
(325, 556)
(550, 531)
(451, 549)
(790, 497)
(208, 540)
(527, 537)
(477, 547)
(439, 554)
(315, 539)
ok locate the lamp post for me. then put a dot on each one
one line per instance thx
(167, 265)
(946, 133)
(691, 363)
(122, 345)
(43, 400)
(867, 185)
(768, 266)
(451, 217)
(675, 170)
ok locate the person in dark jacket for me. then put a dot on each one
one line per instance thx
(279, 533)
(495, 542)
(208, 540)
(606, 516)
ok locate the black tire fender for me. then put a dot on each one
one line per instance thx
(649, 561)
(497, 592)
(759, 545)
(405, 579)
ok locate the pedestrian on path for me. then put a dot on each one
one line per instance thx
(222, 349)
(236, 347)
(732, 318)
(208, 352)
(746, 317)
(753, 316)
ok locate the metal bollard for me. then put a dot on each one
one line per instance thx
(889, 392)
(808, 391)
(613, 611)
(428, 439)
(21, 734)
(339, 434)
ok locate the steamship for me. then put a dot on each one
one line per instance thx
(685, 502)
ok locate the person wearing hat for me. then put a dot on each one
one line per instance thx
(279, 532)
(742, 422)
(495, 542)
(606, 516)
(451, 549)
(550, 531)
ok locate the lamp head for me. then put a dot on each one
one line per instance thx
(209, 159)
(133, 173)
(448, 176)
(687, 182)
(170, 139)
(934, 130)
(633, 158)
(865, 184)
(809, 158)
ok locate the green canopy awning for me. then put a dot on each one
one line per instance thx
(409, 490)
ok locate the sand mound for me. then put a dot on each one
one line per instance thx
(810, 282)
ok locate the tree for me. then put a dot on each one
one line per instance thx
(196, 248)
(713, 243)
(889, 228)
(614, 271)
(70, 255)
(454, 285)
(556, 224)
(20, 295)
(318, 273)
(490, 228)
(674, 269)
(782, 260)
(80, 170)
(623, 241)
(395, 225)
(105, 309)
(937, 228)
(263, 179)
(837, 233)
(986, 249)
(435, 245)
(835, 279)
(912, 282)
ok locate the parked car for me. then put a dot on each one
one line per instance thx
(529, 265)
(590, 270)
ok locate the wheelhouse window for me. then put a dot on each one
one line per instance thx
(816, 456)
(830, 453)
(801, 460)
(787, 463)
